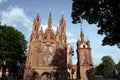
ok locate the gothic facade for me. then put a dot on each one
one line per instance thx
(49, 55)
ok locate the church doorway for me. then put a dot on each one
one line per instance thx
(46, 76)
(35, 76)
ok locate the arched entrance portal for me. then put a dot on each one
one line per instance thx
(35, 76)
(46, 76)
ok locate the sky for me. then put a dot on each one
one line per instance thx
(21, 13)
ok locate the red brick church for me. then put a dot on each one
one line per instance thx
(49, 54)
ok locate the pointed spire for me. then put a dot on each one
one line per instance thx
(57, 31)
(62, 18)
(62, 21)
(41, 31)
(36, 24)
(50, 20)
(37, 17)
(82, 35)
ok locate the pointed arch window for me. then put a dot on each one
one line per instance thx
(85, 59)
(49, 59)
(44, 55)
(44, 59)
(50, 49)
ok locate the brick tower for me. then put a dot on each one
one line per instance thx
(47, 54)
(84, 57)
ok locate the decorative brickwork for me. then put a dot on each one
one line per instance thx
(47, 55)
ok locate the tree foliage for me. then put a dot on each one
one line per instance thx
(107, 67)
(12, 48)
(104, 13)
(118, 66)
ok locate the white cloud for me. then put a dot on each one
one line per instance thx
(15, 17)
(3, 1)
(69, 34)
(71, 41)
(45, 26)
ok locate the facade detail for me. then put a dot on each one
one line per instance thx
(84, 58)
(47, 55)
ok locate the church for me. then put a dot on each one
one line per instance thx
(49, 54)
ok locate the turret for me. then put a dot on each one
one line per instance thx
(62, 25)
(82, 35)
(50, 21)
(88, 43)
(36, 24)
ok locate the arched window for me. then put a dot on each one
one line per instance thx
(50, 49)
(45, 48)
(85, 59)
(49, 59)
(44, 55)
(44, 59)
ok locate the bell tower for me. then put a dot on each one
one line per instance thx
(84, 57)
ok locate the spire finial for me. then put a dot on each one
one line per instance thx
(81, 32)
(82, 35)
(37, 16)
(50, 20)
(62, 18)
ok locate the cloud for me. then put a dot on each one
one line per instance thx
(3, 1)
(69, 34)
(71, 41)
(45, 26)
(15, 17)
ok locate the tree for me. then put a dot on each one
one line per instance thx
(104, 13)
(118, 66)
(12, 49)
(107, 67)
(117, 71)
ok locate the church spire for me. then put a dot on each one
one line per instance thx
(62, 20)
(82, 35)
(37, 17)
(50, 20)
(36, 24)
(57, 31)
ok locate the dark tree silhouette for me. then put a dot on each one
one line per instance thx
(104, 13)
(91, 74)
(59, 61)
(12, 49)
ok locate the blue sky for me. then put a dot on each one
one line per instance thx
(21, 13)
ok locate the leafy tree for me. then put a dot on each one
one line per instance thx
(118, 66)
(12, 49)
(107, 66)
(104, 13)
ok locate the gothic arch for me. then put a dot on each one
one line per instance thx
(36, 76)
(85, 61)
(46, 76)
